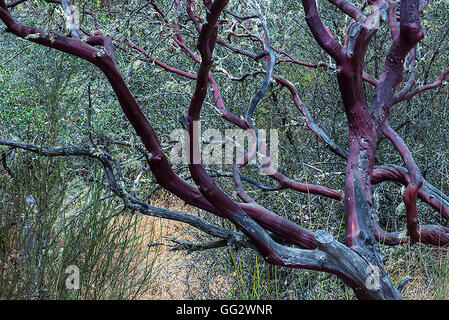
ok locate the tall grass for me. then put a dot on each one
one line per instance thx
(44, 231)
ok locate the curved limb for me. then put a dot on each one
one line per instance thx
(288, 257)
(273, 252)
(321, 33)
(116, 185)
(407, 95)
(349, 9)
(427, 234)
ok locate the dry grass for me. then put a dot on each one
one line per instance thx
(172, 266)
(428, 267)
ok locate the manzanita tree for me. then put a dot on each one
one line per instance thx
(277, 239)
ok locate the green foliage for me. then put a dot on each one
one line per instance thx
(43, 231)
(43, 99)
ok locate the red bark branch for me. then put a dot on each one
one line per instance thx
(318, 251)
(348, 8)
(321, 33)
(439, 82)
